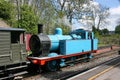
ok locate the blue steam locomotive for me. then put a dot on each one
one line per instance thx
(55, 51)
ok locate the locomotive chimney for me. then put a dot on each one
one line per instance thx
(40, 28)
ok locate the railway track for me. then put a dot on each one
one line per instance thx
(72, 70)
(88, 68)
(100, 70)
(11, 72)
(23, 74)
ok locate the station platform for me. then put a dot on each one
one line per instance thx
(113, 74)
(107, 71)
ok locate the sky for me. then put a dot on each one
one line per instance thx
(114, 6)
(109, 3)
(114, 10)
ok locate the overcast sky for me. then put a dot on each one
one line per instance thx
(114, 6)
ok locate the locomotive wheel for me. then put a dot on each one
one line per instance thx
(52, 65)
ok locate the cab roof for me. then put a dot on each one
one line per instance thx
(11, 29)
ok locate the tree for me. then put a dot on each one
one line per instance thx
(94, 15)
(7, 12)
(69, 8)
(49, 13)
(105, 31)
(102, 17)
(41, 8)
(117, 29)
(67, 11)
(28, 20)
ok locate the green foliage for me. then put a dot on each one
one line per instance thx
(117, 29)
(96, 32)
(7, 12)
(47, 15)
(104, 31)
(94, 29)
(28, 20)
(97, 35)
(48, 12)
(110, 39)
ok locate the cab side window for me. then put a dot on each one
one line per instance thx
(17, 37)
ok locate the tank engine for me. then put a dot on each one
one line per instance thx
(53, 51)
